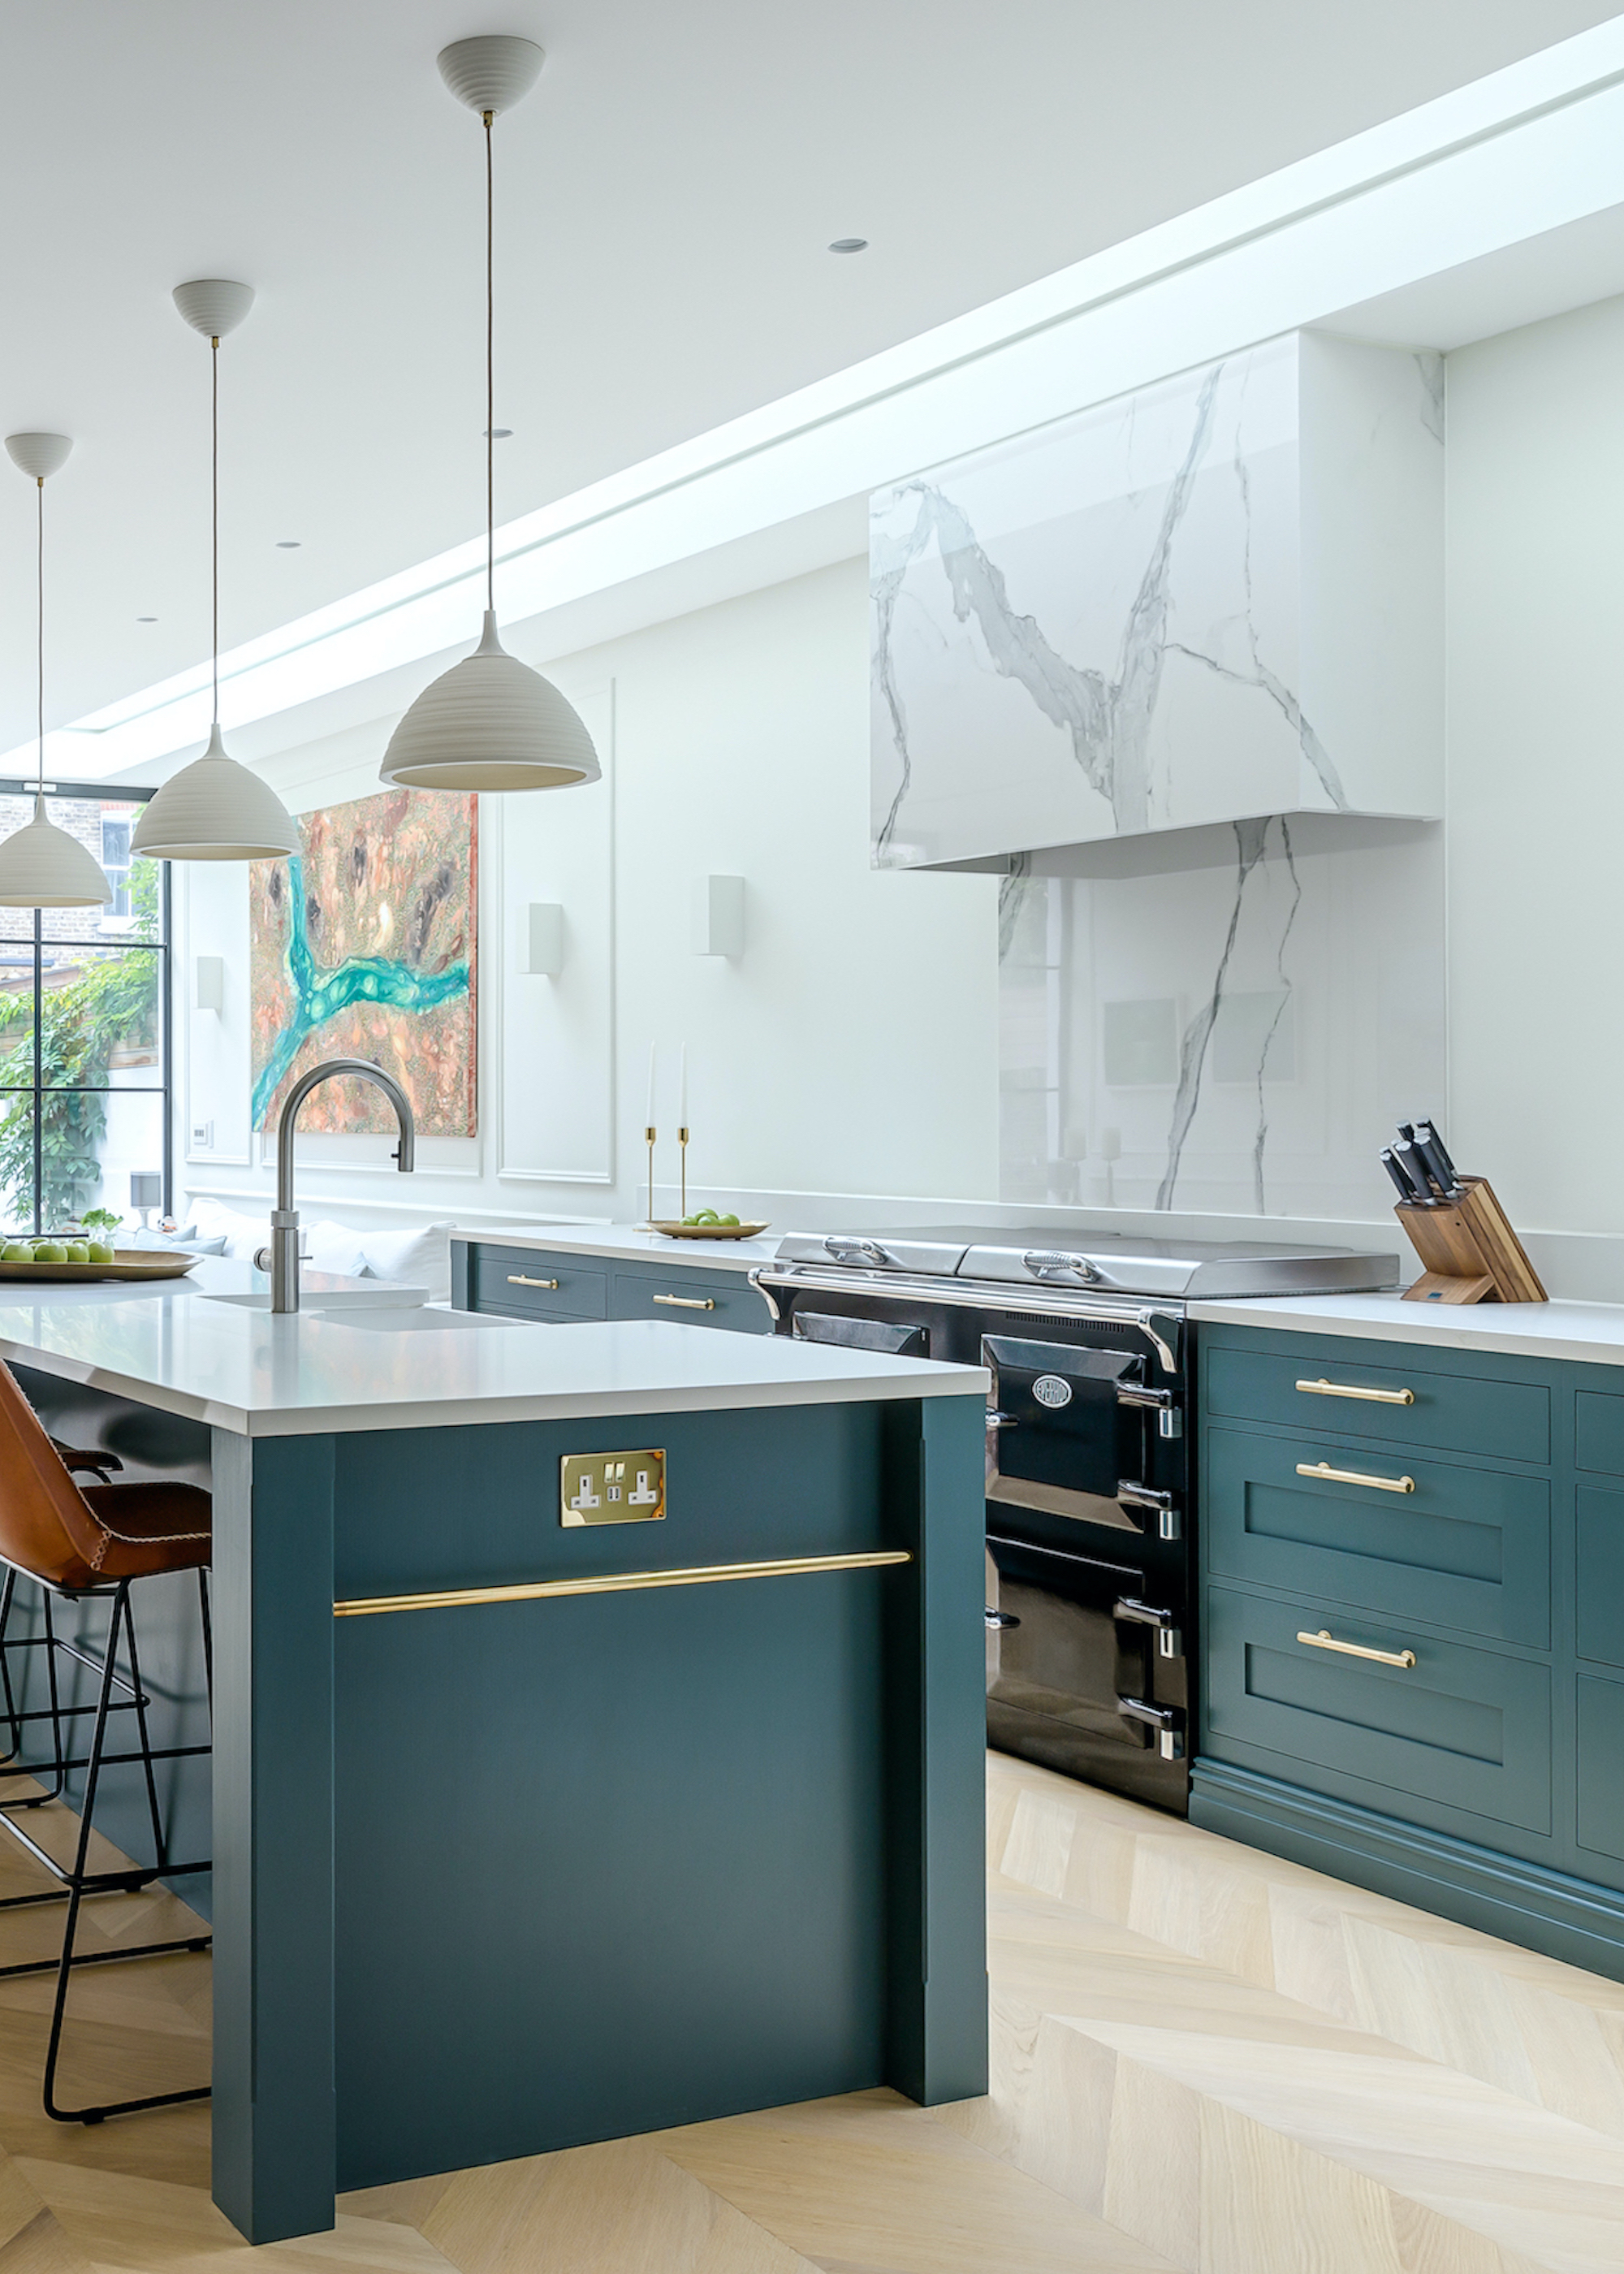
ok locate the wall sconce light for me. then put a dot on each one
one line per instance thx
(541, 943)
(716, 923)
(209, 972)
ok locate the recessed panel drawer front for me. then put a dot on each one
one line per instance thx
(1598, 1429)
(1466, 1548)
(1304, 1388)
(1601, 1750)
(687, 1296)
(1463, 1727)
(534, 1286)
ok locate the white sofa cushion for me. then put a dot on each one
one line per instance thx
(329, 1246)
(243, 1234)
(419, 1257)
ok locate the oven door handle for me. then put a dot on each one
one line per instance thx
(997, 1620)
(1166, 1720)
(1169, 1642)
(996, 1421)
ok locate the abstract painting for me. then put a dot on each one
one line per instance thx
(364, 946)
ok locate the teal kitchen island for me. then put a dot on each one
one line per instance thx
(541, 1813)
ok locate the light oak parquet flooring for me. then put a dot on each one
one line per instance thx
(1203, 2060)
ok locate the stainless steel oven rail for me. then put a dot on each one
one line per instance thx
(979, 1295)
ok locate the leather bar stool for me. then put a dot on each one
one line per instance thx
(78, 1543)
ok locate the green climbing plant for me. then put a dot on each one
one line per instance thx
(112, 1005)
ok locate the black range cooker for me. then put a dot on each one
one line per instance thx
(1092, 1493)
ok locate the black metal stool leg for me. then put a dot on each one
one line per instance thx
(82, 1881)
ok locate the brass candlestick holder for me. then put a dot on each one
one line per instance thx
(682, 1144)
(650, 1134)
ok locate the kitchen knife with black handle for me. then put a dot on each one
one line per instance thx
(1431, 1147)
(1414, 1174)
(1401, 1182)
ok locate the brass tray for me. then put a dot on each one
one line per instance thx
(709, 1231)
(127, 1263)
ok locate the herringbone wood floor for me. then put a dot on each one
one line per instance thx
(1203, 2059)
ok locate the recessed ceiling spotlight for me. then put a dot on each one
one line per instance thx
(288, 543)
(497, 433)
(850, 244)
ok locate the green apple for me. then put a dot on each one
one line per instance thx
(101, 1251)
(49, 1251)
(728, 1219)
(17, 1251)
(78, 1251)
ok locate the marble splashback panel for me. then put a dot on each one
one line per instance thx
(1235, 1037)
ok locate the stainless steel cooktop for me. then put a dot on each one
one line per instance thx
(1117, 1262)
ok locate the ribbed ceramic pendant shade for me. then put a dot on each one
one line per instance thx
(215, 810)
(490, 723)
(42, 867)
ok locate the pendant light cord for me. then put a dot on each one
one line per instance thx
(213, 508)
(490, 370)
(40, 793)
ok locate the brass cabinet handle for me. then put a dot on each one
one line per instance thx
(1324, 1389)
(687, 1302)
(1325, 1640)
(1326, 1474)
(518, 1279)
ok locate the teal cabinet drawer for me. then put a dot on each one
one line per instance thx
(1467, 1548)
(1598, 1432)
(534, 1286)
(1446, 1413)
(1601, 1777)
(1600, 1593)
(1463, 1729)
(686, 1295)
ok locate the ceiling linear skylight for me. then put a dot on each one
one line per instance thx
(1526, 149)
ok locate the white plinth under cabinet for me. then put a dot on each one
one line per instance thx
(1218, 599)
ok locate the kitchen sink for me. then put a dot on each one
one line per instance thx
(420, 1321)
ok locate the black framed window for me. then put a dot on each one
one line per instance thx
(84, 1028)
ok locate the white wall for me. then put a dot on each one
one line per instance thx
(852, 1053)
(1535, 787)
(851, 1049)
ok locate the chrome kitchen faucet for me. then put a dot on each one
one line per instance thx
(282, 1255)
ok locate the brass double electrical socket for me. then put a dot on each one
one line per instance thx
(612, 1487)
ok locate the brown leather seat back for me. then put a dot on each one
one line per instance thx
(46, 1525)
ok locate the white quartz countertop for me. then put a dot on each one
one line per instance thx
(166, 1344)
(1593, 1331)
(627, 1244)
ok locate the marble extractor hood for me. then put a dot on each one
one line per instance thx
(1214, 601)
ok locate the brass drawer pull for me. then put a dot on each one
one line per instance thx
(1324, 1389)
(1325, 1640)
(687, 1302)
(518, 1279)
(1326, 1474)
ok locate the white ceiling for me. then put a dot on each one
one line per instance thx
(667, 196)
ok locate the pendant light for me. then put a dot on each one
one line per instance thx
(40, 865)
(490, 723)
(215, 810)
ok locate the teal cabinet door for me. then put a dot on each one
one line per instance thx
(722, 1300)
(1463, 1727)
(1314, 1383)
(1466, 1548)
(1600, 1593)
(1601, 1766)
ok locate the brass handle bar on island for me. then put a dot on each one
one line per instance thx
(618, 1582)
(1325, 1473)
(688, 1302)
(518, 1279)
(1324, 1389)
(1326, 1640)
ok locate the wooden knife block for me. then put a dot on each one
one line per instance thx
(1469, 1251)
